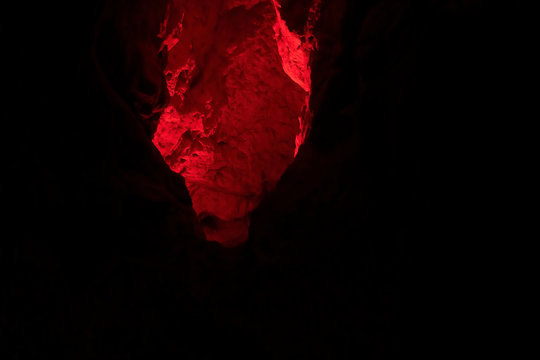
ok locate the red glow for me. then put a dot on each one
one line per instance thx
(295, 55)
(240, 83)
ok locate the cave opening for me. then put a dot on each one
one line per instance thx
(239, 83)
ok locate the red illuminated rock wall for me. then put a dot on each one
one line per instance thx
(239, 84)
(101, 251)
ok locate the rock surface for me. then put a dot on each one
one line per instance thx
(239, 84)
(102, 250)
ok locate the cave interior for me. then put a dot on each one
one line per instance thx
(257, 178)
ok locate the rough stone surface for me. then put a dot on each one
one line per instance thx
(102, 253)
(239, 85)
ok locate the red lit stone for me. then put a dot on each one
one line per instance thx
(239, 83)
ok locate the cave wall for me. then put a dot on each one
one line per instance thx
(103, 252)
(239, 84)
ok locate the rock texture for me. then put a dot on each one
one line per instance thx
(239, 84)
(102, 252)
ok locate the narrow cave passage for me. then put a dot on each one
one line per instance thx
(239, 83)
